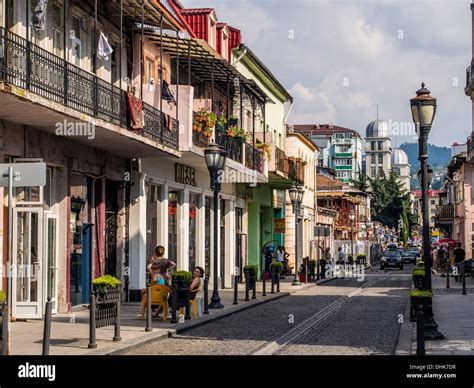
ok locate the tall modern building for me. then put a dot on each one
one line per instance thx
(401, 167)
(340, 148)
(378, 149)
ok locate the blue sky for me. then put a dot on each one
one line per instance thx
(339, 59)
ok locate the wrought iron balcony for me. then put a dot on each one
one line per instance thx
(254, 158)
(232, 145)
(30, 67)
(201, 140)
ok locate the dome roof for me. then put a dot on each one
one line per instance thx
(399, 157)
(377, 128)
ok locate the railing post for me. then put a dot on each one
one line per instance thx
(148, 327)
(463, 275)
(206, 295)
(236, 288)
(117, 336)
(47, 327)
(448, 267)
(420, 332)
(92, 322)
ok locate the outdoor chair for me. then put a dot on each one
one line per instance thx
(159, 297)
(192, 301)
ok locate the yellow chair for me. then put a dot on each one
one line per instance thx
(159, 297)
(192, 301)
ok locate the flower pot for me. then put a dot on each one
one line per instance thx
(419, 282)
(233, 122)
(416, 302)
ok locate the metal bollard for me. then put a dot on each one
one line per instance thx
(148, 327)
(117, 336)
(47, 327)
(92, 323)
(236, 288)
(247, 288)
(273, 283)
(5, 332)
(264, 291)
(254, 290)
(278, 284)
(206, 296)
(447, 276)
(420, 333)
(173, 304)
(463, 274)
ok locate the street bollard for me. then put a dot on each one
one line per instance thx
(173, 304)
(463, 275)
(278, 284)
(117, 336)
(420, 333)
(254, 290)
(206, 296)
(273, 283)
(447, 276)
(306, 278)
(5, 332)
(148, 327)
(47, 327)
(264, 291)
(236, 288)
(247, 287)
(92, 323)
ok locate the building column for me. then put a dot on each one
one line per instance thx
(138, 259)
(183, 231)
(230, 248)
(201, 231)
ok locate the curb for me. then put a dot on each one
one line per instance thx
(404, 345)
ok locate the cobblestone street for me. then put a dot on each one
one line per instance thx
(344, 316)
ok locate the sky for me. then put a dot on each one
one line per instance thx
(339, 59)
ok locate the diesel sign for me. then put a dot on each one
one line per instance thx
(185, 175)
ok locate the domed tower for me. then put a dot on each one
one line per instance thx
(378, 149)
(401, 167)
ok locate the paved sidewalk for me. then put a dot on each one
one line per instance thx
(70, 332)
(454, 314)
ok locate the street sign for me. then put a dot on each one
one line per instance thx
(321, 231)
(24, 174)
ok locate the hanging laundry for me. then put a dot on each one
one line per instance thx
(39, 15)
(166, 92)
(105, 49)
(135, 110)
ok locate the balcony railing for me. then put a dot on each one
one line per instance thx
(200, 140)
(232, 145)
(279, 159)
(254, 158)
(28, 66)
(300, 171)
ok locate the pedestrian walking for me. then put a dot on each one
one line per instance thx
(342, 261)
(459, 256)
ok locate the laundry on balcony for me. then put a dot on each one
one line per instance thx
(166, 93)
(135, 111)
(104, 49)
(39, 15)
(167, 122)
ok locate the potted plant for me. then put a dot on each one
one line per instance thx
(251, 272)
(233, 121)
(420, 299)
(211, 120)
(231, 131)
(264, 147)
(182, 280)
(418, 275)
(221, 123)
(106, 287)
(240, 135)
(276, 268)
(361, 258)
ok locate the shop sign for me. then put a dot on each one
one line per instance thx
(279, 225)
(185, 175)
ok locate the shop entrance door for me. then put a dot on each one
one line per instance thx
(81, 264)
(27, 285)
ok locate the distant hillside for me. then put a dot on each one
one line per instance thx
(437, 156)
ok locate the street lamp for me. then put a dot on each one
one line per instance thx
(430, 176)
(215, 160)
(296, 197)
(423, 109)
(352, 218)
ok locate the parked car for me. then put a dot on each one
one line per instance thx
(415, 250)
(392, 258)
(392, 246)
(409, 257)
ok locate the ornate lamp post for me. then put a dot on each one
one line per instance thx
(215, 159)
(423, 109)
(296, 197)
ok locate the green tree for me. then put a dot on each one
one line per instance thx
(362, 182)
